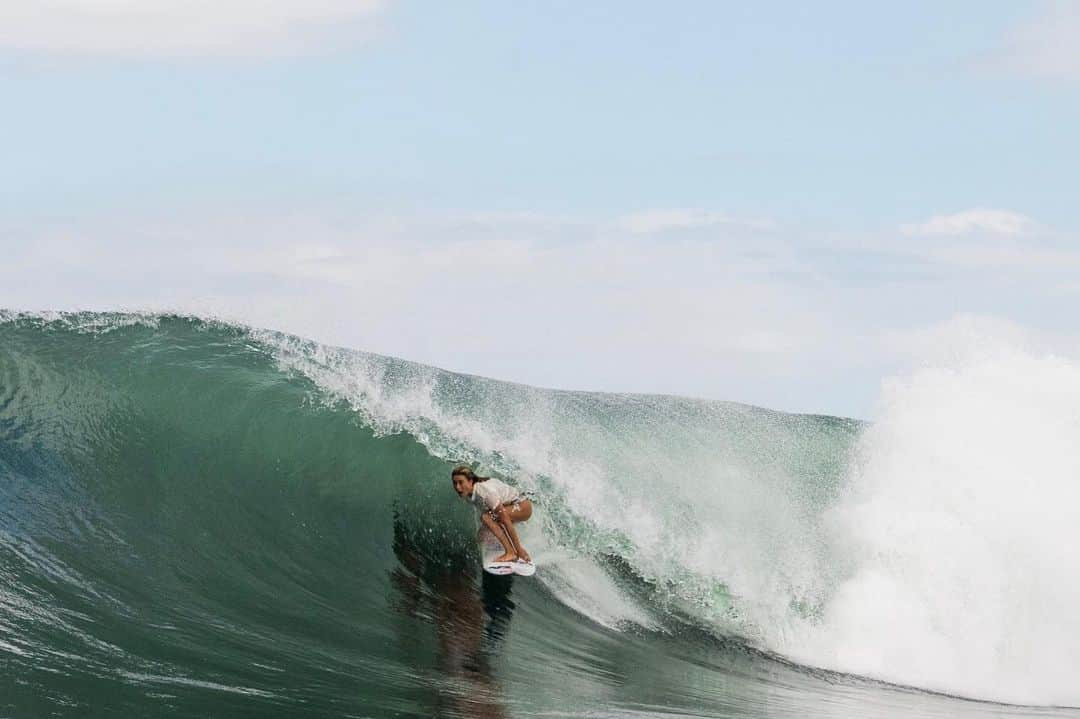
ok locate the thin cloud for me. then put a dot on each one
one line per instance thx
(1046, 46)
(666, 220)
(1015, 259)
(178, 28)
(965, 337)
(974, 221)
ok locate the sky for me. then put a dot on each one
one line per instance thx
(775, 203)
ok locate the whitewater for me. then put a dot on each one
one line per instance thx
(200, 518)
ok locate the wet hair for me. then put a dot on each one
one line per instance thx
(466, 471)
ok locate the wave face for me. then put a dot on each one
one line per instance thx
(201, 519)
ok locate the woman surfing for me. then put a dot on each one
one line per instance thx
(500, 507)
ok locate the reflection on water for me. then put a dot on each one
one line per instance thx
(470, 622)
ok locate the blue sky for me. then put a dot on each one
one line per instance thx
(780, 190)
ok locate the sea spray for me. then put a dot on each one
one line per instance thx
(955, 544)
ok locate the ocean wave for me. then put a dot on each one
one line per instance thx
(213, 505)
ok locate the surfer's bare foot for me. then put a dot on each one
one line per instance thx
(507, 557)
(524, 557)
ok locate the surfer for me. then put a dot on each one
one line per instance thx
(501, 505)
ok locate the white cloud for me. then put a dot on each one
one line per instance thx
(1046, 46)
(974, 221)
(176, 27)
(664, 220)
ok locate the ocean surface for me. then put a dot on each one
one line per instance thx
(200, 519)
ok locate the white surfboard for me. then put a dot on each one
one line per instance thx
(490, 548)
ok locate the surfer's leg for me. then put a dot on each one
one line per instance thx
(519, 512)
(497, 529)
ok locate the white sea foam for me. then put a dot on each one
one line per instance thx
(956, 547)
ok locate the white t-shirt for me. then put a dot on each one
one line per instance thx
(493, 493)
